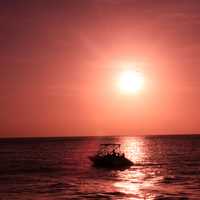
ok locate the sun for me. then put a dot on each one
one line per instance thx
(130, 81)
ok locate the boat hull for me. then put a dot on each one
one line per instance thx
(115, 162)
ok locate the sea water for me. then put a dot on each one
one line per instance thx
(165, 167)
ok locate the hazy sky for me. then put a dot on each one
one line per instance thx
(59, 61)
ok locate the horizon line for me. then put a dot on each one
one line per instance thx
(92, 136)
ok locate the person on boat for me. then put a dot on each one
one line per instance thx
(113, 152)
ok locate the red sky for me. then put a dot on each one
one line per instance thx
(59, 61)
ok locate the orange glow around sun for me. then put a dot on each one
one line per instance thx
(130, 81)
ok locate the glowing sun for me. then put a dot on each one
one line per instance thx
(130, 81)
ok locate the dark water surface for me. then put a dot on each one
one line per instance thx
(166, 167)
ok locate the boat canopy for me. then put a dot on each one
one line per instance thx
(109, 148)
(110, 144)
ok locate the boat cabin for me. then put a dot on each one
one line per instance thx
(110, 149)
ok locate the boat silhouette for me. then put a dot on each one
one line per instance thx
(110, 156)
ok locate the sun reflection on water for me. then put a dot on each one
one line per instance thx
(134, 181)
(134, 148)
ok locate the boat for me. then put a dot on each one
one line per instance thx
(110, 156)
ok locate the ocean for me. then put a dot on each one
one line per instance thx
(165, 167)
